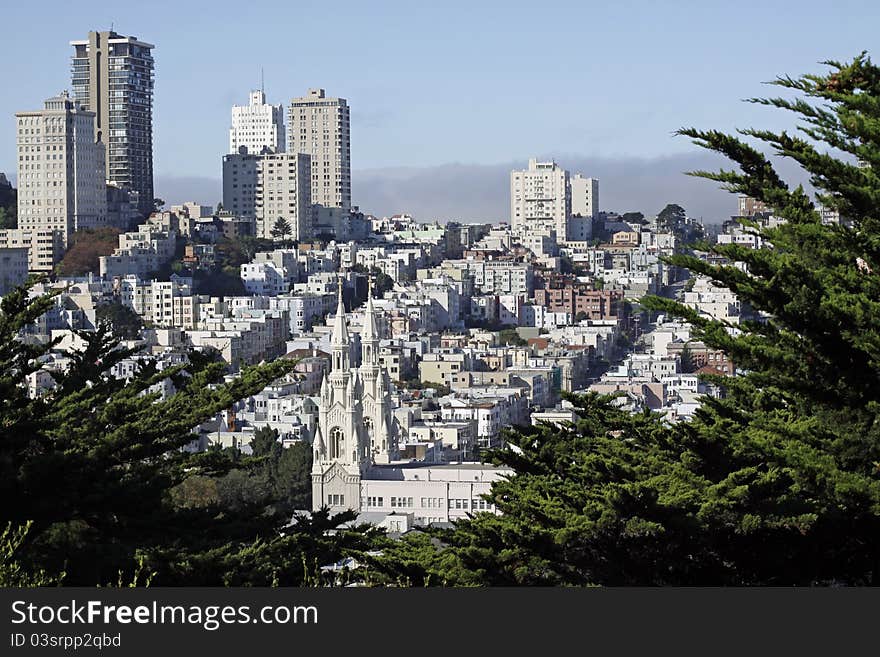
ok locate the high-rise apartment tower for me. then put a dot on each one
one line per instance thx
(60, 169)
(320, 127)
(113, 77)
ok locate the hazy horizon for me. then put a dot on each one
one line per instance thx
(482, 191)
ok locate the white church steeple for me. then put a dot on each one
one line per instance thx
(370, 334)
(355, 427)
(339, 342)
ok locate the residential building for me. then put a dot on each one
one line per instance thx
(283, 192)
(540, 199)
(140, 252)
(584, 196)
(320, 127)
(303, 309)
(339, 224)
(240, 181)
(162, 303)
(584, 207)
(113, 77)
(60, 169)
(271, 273)
(45, 247)
(749, 207)
(243, 336)
(257, 125)
(578, 299)
(13, 268)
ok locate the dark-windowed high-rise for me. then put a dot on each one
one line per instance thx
(113, 77)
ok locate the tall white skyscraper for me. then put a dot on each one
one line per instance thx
(540, 200)
(257, 125)
(320, 127)
(61, 168)
(584, 207)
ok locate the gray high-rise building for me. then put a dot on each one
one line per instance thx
(113, 77)
(320, 127)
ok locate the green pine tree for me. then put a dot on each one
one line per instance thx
(97, 471)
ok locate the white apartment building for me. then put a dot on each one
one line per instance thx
(320, 127)
(283, 192)
(584, 196)
(162, 303)
(271, 273)
(540, 199)
(246, 338)
(257, 125)
(45, 246)
(303, 309)
(714, 301)
(584, 207)
(61, 184)
(140, 252)
(500, 276)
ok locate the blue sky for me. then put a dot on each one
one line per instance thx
(448, 82)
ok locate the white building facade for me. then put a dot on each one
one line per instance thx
(540, 199)
(45, 246)
(61, 183)
(257, 125)
(584, 207)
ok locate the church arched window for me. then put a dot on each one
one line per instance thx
(336, 440)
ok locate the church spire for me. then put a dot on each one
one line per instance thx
(340, 330)
(318, 444)
(325, 391)
(370, 334)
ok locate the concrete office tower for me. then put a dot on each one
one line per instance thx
(320, 127)
(113, 77)
(540, 200)
(60, 169)
(257, 125)
(584, 207)
(284, 192)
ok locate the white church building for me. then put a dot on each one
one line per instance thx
(356, 462)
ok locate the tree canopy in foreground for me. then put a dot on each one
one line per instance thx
(94, 474)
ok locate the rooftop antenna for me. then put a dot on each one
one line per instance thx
(262, 82)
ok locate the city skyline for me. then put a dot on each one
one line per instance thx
(435, 89)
